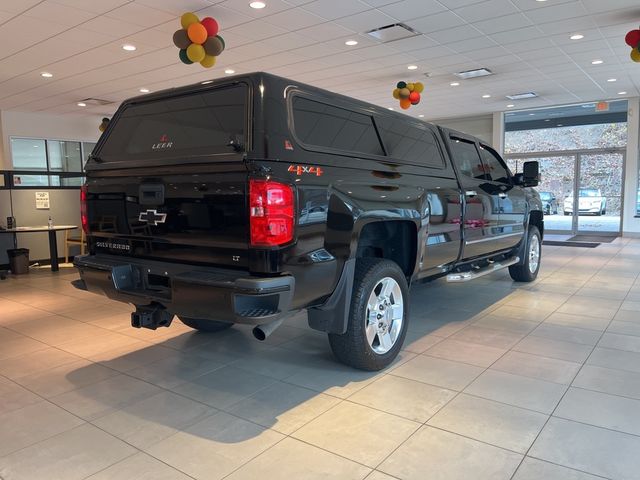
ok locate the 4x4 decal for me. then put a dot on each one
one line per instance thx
(305, 169)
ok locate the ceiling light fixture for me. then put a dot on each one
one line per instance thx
(597, 62)
(390, 108)
(144, 90)
(511, 105)
(46, 74)
(81, 104)
(206, 82)
(522, 96)
(478, 72)
(577, 36)
(454, 84)
(412, 67)
(257, 5)
(611, 80)
(622, 93)
(128, 47)
(421, 116)
(229, 71)
(486, 95)
(351, 43)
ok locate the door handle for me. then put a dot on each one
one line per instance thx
(471, 193)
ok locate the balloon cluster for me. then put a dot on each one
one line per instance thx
(104, 124)
(633, 40)
(198, 40)
(408, 93)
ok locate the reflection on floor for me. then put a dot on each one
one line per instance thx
(496, 381)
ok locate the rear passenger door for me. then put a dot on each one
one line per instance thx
(481, 201)
(513, 204)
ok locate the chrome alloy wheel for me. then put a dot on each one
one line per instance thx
(385, 314)
(534, 253)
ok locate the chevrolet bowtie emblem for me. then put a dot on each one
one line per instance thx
(152, 217)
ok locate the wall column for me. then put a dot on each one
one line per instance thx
(631, 224)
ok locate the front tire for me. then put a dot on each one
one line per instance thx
(203, 325)
(378, 316)
(528, 270)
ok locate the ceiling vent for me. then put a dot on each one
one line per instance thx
(96, 102)
(522, 96)
(478, 72)
(390, 33)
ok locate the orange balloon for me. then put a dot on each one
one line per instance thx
(405, 103)
(197, 33)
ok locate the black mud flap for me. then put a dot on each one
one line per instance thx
(332, 317)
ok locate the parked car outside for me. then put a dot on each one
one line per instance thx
(549, 203)
(590, 201)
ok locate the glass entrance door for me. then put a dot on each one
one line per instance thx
(600, 192)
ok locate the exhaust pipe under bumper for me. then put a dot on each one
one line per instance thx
(261, 332)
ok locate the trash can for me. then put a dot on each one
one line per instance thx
(18, 260)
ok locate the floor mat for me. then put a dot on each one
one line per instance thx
(593, 238)
(569, 243)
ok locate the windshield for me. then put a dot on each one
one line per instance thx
(590, 192)
(204, 123)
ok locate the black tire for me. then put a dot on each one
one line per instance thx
(523, 272)
(352, 348)
(203, 325)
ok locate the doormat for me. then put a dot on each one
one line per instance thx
(569, 243)
(593, 238)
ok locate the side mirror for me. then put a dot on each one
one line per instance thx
(530, 176)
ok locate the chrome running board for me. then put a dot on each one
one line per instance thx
(460, 277)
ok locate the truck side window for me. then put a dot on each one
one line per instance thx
(466, 158)
(414, 145)
(323, 125)
(496, 169)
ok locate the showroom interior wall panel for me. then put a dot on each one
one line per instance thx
(631, 224)
(65, 210)
(480, 126)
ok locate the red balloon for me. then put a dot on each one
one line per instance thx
(211, 25)
(633, 38)
(414, 97)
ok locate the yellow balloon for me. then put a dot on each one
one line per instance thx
(635, 54)
(208, 61)
(410, 86)
(418, 87)
(396, 93)
(195, 52)
(187, 19)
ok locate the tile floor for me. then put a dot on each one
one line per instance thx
(496, 381)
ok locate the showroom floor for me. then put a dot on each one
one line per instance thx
(497, 381)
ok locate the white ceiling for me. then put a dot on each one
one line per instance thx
(524, 42)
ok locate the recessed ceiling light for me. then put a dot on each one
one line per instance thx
(478, 72)
(144, 90)
(421, 116)
(81, 104)
(229, 71)
(597, 62)
(577, 36)
(486, 96)
(351, 43)
(612, 80)
(622, 93)
(522, 96)
(128, 47)
(412, 67)
(390, 108)
(46, 74)
(511, 105)
(257, 5)
(454, 84)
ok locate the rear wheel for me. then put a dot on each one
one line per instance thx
(378, 316)
(204, 325)
(527, 271)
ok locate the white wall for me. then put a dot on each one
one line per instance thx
(41, 125)
(630, 224)
(481, 127)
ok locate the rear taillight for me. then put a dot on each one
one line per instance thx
(83, 209)
(270, 213)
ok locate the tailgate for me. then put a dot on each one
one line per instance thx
(199, 218)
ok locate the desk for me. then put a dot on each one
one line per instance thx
(53, 241)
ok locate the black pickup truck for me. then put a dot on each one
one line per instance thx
(248, 198)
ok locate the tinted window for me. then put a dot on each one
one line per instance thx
(324, 125)
(409, 143)
(199, 124)
(466, 158)
(496, 170)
